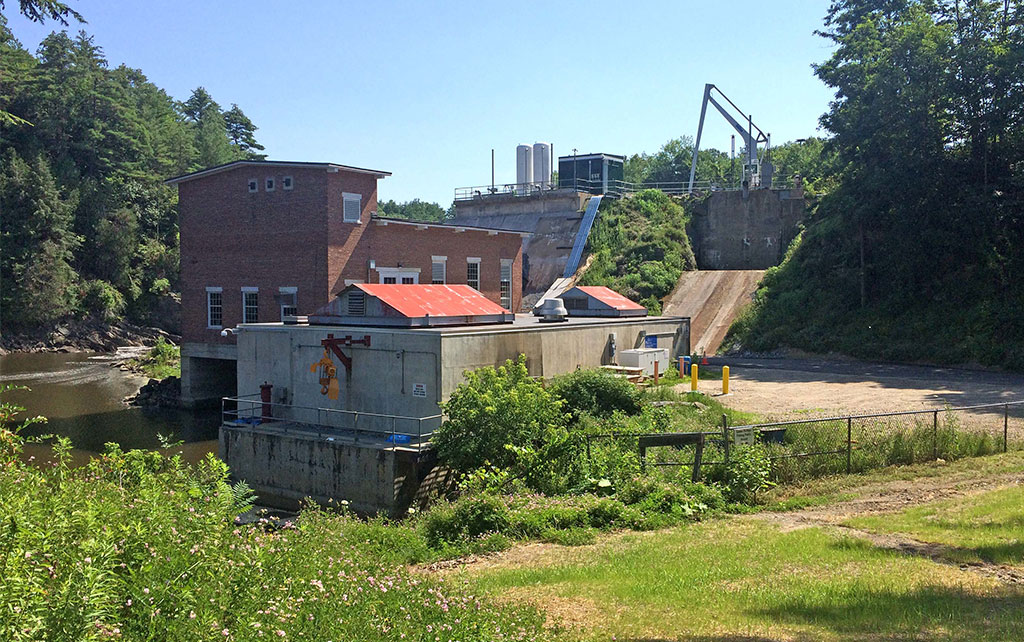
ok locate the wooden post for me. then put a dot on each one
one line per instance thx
(1006, 426)
(693, 377)
(725, 435)
(698, 454)
(849, 444)
(656, 364)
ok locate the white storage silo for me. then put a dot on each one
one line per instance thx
(542, 164)
(524, 167)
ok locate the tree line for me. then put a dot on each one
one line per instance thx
(915, 253)
(86, 225)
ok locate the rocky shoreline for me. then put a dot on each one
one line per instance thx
(158, 393)
(84, 336)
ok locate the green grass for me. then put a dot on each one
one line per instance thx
(743, 578)
(985, 527)
(161, 361)
(838, 487)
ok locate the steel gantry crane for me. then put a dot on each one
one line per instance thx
(751, 134)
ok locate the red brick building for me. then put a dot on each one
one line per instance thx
(265, 239)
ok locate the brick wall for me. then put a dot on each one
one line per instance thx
(231, 238)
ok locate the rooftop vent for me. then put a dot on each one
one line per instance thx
(551, 310)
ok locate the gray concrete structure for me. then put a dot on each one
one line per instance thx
(745, 229)
(553, 217)
(370, 444)
(207, 373)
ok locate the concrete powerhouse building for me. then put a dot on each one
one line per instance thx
(261, 240)
(350, 399)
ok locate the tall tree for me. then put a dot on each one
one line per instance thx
(38, 245)
(241, 132)
(210, 129)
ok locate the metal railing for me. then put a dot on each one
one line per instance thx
(615, 188)
(377, 428)
(803, 448)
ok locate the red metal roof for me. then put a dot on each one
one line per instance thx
(609, 297)
(420, 300)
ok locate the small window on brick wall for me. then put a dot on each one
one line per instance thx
(506, 283)
(473, 273)
(286, 183)
(254, 185)
(269, 185)
(352, 206)
(250, 305)
(214, 307)
(437, 270)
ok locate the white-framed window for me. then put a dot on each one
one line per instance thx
(287, 297)
(214, 308)
(473, 273)
(250, 305)
(352, 207)
(287, 183)
(506, 284)
(405, 276)
(438, 270)
(254, 185)
(269, 185)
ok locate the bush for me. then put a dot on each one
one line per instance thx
(139, 546)
(102, 300)
(595, 392)
(748, 472)
(466, 519)
(503, 418)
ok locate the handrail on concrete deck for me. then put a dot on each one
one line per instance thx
(251, 410)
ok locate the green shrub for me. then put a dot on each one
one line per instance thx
(101, 299)
(595, 392)
(495, 408)
(748, 471)
(465, 519)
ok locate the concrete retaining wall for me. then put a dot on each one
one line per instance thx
(750, 230)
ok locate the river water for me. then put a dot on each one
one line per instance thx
(81, 393)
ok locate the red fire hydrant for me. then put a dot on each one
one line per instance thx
(265, 391)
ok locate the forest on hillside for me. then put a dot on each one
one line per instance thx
(915, 252)
(87, 227)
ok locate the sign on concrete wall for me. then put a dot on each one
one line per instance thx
(419, 390)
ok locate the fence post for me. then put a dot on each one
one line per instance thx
(935, 435)
(698, 455)
(725, 435)
(849, 445)
(1006, 426)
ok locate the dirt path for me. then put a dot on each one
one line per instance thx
(893, 497)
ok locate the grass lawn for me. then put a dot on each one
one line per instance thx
(744, 579)
(834, 488)
(986, 527)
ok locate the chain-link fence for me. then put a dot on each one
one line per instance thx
(830, 445)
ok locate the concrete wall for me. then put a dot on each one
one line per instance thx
(498, 205)
(384, 377)
(751, 230)
(207, 374)
(287, 467)
(555, 350)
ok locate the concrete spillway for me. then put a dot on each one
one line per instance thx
(712, 299)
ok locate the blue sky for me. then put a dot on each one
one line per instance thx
(426, 89)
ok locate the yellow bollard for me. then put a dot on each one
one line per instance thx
(693, 377)
(725, 380)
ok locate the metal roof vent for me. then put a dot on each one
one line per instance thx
(551, 310)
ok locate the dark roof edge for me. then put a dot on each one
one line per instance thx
(270, 163)
(450, 226)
